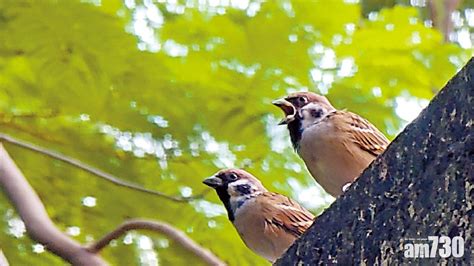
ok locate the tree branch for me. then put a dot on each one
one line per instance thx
(104, 175)
(3, 259)
(440, 14)
(164, 228)
(41, 229)
(37, 222)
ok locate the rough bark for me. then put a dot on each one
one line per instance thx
(423, 185)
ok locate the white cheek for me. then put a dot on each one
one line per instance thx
(233, 193)
(239, 182)
(307, 119)
(232, 188)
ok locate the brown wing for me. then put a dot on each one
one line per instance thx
(362, 132)
(285, 214)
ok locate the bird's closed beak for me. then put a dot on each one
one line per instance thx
(287, 108)
(213, 181)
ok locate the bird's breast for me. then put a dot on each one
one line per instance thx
(328, 157)
(250, 224)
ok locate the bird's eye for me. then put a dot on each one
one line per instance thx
(302, 100)
(233, 177)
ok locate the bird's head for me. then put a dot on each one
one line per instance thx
(293, 103)
(234, 187)
(235, 182)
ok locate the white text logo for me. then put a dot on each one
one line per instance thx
(434, 246)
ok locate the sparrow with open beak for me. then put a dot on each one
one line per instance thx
(267, 222)
(336, 145)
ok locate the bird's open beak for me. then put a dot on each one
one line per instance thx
(213, 181)
(287, 108)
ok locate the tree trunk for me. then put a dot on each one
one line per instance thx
(423, 185)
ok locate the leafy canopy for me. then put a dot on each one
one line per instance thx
(165, 94)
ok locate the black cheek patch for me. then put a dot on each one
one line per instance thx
(316, 113)
(243, 189)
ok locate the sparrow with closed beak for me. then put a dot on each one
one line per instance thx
(336, 145)
(267, 222)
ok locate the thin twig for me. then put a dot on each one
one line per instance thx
(160, 227)
(49, 114)
(104, 175)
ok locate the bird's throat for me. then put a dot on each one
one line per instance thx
(225, 198)
(295, 129)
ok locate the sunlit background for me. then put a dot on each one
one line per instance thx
(165, 93)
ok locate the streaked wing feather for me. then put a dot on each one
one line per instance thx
(363, 133)
(285, 214)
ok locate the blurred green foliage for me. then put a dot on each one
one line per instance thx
(165, 94)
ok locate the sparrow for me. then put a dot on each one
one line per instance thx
(335, 145)
(267, 222)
